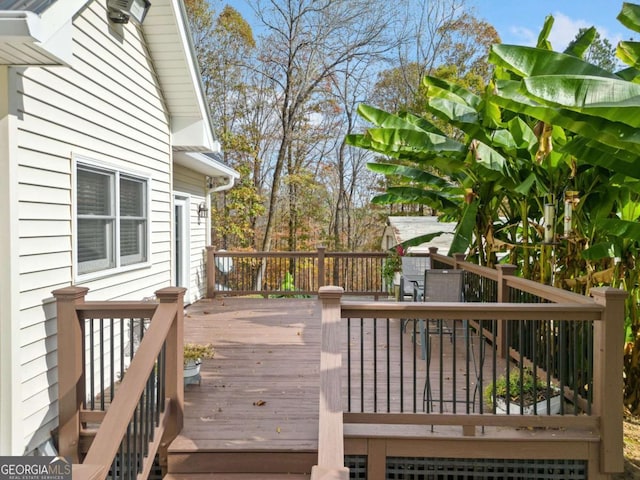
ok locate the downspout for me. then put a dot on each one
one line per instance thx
(220, 188)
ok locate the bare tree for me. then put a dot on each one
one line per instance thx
(306, 42)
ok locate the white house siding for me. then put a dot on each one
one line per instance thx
(10, 393)
(106, 107)
(192, 185)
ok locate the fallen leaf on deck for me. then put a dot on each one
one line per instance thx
(259, 403)
(278, 429)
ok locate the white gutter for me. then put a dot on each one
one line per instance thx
(206, 165)
(25, 29)
(20, 26)
(231, 180)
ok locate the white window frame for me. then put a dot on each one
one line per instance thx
(80, 162)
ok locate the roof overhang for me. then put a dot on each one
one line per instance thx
(25, 39)
(44, 38)
(168, 37)
(206, 165)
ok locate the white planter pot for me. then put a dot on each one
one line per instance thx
(192, 372)
(541, 407)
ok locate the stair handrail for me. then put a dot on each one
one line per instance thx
(164, 334)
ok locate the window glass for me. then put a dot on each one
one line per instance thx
(111, 223)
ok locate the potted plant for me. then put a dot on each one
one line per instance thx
(527, 390)
(392, 267)
(194, 353)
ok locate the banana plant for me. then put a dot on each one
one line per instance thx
(483, 176)
(600, 113)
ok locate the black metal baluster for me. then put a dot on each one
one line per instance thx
(112, 359)
(388, 365)
(349, 364)
(415, 342)
(101, 350)
(375, 365)
(91, 367)
(361, 364)
(401, 370)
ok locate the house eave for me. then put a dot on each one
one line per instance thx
(204, 164)
(25, 40)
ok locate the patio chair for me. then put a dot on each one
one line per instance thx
(415, 266)
(438, 286)
(446, 286)
(412, 275)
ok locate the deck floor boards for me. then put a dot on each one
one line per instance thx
(260, 392)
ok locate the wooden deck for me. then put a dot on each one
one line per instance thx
(256, 408)
(259, 396)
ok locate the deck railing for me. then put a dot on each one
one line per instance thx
(109, 347)
(286, 274)
(571, 343)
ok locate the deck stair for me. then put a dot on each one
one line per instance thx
(202, 464)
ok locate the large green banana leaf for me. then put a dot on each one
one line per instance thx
(380, 118)
(599, 251)
(463, 236)
(459, 116)
(595, 153)
(629, 16)
(543, 36)
(419, 240)
(614, 99)
(438, 199)
(437, 87)
(420, 122)
(581, 43)
(629, 53)
(403, 140)
(616, 230)
(530, 62)
(490, 159)
(522, 135)
(417, 152)
(410, 173)
(614, 134)
(453, 112)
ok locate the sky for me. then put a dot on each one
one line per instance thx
(519, 22)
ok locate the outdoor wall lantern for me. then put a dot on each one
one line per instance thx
(203, 212)
(121, 10)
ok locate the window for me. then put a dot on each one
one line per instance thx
(112, 219)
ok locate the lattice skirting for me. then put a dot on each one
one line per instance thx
(408, 468)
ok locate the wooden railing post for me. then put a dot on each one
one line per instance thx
(608, 339)
(330, 426)
(505, 270)
(321, 266)
(458, 258)
(71, 389)
(211, 271)
(174, 388)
